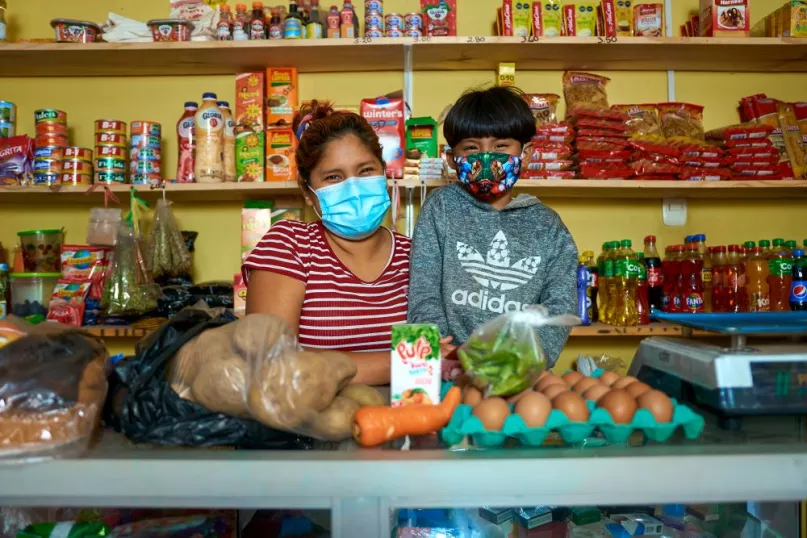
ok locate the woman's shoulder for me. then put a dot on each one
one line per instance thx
(403, 244)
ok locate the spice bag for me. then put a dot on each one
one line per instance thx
(167, 256)
(505, 356)
(128, 291)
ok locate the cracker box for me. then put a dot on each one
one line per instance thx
(239, 296)
(281, 95)
(256, 219)
(386, 116)
(249, 126)
(415, 377)
(421, 134)
(280, 145)
(725, 18)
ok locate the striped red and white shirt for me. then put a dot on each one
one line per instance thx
(340, 311)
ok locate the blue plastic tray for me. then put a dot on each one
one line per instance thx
(749, 323)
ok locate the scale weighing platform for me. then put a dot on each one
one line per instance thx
(736, 380)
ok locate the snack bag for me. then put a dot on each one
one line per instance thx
(681, 119)
(793, 141)
(643, 119)
(584, 90)
(504, 356)
(440, 17)
(580, 17)
(128, 291)
(167, 256)
(543, 107)
(67, 302)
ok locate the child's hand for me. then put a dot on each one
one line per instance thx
(450, 366)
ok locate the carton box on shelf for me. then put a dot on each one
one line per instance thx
(421, 135)
(415, 377)
(256, 219)
(281, 96)
(280, 163)
(386, 116)
(725, 18)
(249, 126)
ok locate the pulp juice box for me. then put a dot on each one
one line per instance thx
(239, 295)
(256, 219)
(281, 95)
(415, 377)
(280, 146)
(249, 126)
(507, 74)
(386, 116)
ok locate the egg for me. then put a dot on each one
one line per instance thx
(572, 377)
(620, 405)
(516, 397)
(608, 378)
(533, 408)
(472, 396)
(658, 403)
(492, 412)
(637, 388)
(549, 380)
(553, 390)
(572, 405)
(584, 384)
(623, 382)
(596, 392)
(543, 375)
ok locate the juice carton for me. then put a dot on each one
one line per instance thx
(249, 126)
(415, 367)
(548, 18)
(421, 134)
(281, 95)
(386, 116)
(280, 146)
(239, 296)
(256, 218)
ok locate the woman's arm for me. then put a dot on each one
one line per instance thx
(282, 296)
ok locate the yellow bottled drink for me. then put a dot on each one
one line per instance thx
(626, 273)
(613, 283)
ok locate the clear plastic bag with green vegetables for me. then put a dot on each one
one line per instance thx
(505, 356)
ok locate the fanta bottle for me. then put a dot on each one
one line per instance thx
(780, 268)
(626, 274)
(759, 299)
(706, 271)
(642, 300)
(692, 285)
(672, 276)
(736, 296)
(720, 280)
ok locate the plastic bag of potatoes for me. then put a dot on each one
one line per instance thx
(255, 368)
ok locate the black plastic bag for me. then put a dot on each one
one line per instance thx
(175, 298)
(142, 405)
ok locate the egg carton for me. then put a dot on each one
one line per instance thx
(463, 423)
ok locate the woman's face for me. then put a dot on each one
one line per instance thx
(343, 158)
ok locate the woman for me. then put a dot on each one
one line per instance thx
(341, 282)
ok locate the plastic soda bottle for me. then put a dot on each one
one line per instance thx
(257, 23)
(780, 270)
(798, 290)
(241, 20)
(346, 28)
(613, 283)
(765, 245)
(3, 290)
(642, 299)
(672, 275)
(720, 283)
(593, 284)
(627, 274)
(736, 296)
(583, 291)
(759, 299)
(652, 263)
(790, 246)
(209, 122)
(602, 281)
(333, 21)
(692, 285)
(706, 271)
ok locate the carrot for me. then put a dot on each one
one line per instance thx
(377, 424)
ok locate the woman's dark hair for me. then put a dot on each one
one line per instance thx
(324, 126)
(498, 112)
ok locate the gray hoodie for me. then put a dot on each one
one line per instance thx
(471, 262)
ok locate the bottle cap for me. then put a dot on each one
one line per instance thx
(650, 239)
(257, 5)
(640, 255)
(721, 249)
(748, 244)
(588, 253)
(191, 104)
(764, 243)
(688, 239)
(700, 237)
(791, 244)
(734, 248)
(3, 267)
(778, 241)
(209, 95)
(224, 104)
(241, 7)
(224, 7)
(798, 253)
(626, 243)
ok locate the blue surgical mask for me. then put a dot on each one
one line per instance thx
(354, 208)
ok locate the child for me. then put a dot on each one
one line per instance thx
(477, 251)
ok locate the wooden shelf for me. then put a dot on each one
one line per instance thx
(567, 188)
(435, 54)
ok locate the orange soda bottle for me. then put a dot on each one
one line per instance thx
(759, 299)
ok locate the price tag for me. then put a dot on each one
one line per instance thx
(530, 39)
(423, 39)
(606, 40)
(475, 39)
(362, 40)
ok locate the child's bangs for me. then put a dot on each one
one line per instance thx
(496, 113)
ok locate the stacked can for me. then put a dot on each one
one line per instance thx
(77, 166)
(110, 151)
(8, 119)
(51, 141)
(393, 25)
(145, 167)
(373, 18)
(413, 25)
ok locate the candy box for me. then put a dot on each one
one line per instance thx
(415, 365)
(256, 219)
(386, 116)
(249, 126)
(280, 162)
(281, 95)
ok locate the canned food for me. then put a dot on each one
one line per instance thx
(72, 178)
(81, 154)
(394, 32)
(373, 32)
(110, 126)
(145, 154)
(146, 128)
(373, 5)
(145, 167)
(413, 32)
(102, 176)
(8, 111)
(146, 179)
(7, 129)
(51, 140)
(51, 129)
(110, 139)
(50, 115)
(51, 178)
(394, 20)
(81, 167)
(111, 151)
(111, 163)
(49, 152)
(46, 166)
(120, 171)
(413, 20)
(373, 18)
(145, 141)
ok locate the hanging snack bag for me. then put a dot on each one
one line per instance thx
(67, 302)
(800, 109)
(584, 91)
(128, 290)
(82, 263)
(505, 356)
(167, 256)
(681, 120)
(793, 143)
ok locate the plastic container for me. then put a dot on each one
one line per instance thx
(72, 31)
(103, 226)
(30, 293)
(40, 250)
(170, 29)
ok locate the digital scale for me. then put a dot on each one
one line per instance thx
(737, 380)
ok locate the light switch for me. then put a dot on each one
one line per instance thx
(674, 211)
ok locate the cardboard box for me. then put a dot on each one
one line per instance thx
(415, 366)
(725, 18)
(421, 134)
(386, 116)
(249, 126)
(256, 219)
(281, 96)
(608, 13)
(239, 296)
(280, 146)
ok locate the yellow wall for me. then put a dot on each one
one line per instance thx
(217, 256)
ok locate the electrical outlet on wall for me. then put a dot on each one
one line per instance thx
(674, 211)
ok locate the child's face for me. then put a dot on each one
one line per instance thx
(469, 146)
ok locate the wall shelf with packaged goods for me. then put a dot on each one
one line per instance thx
(387, 54)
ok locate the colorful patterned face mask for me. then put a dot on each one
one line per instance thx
(488, 175)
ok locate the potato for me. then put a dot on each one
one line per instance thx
(259, 336)
(220, 384)
(213, 344)
(363, 395)
(336, 422)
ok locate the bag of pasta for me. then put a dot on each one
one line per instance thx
(129, 291)
(584, 91)
(505, 356)
(681, 120)
(643, 119)
(167, 256)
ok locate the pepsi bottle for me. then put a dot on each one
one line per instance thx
(798, 287)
